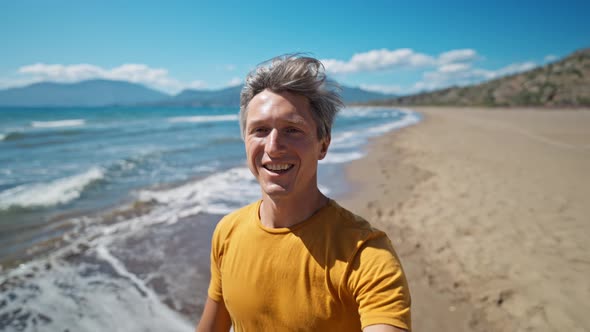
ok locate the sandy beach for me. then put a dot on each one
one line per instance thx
(489, 211)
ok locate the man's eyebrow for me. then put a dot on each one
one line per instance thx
(297, 121)
(254, 123)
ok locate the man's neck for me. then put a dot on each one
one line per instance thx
(280, 212)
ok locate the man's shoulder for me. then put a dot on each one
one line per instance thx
(347, 222)
(237, 216)
(243, 211)
(349, 219)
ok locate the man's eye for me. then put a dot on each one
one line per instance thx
(293, 130)
(260, 130)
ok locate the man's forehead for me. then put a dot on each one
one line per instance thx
(284, 105)
(286, 117)
(279, 97)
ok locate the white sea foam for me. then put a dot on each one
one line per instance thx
(171, 320)
(56, 192)
(204, 118)
(341, 157)
(325, 190)
(410, 118)
(59, 123)
(347, 140)
(355, 138)
(343, 136)
(219, 193)
(81, 298)
(367, 112)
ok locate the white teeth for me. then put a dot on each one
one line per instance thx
(277, 167)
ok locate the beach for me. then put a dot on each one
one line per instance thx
(488, 210)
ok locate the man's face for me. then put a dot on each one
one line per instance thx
(282, 147)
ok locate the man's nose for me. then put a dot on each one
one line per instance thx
(274, 143)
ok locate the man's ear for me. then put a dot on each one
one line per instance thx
(324, 148)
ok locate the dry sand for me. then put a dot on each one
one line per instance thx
(489, 211)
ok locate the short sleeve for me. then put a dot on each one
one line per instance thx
(215, 292)
(378, 284)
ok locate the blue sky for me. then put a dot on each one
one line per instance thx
(391, 46)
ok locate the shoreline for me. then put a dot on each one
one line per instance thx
(481, 205)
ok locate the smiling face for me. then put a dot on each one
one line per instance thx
(282, 146)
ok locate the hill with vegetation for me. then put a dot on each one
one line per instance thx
(563, 83)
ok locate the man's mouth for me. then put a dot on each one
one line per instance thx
(278, 168)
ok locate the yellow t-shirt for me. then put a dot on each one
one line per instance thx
(332, 272)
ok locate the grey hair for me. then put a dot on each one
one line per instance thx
(300, 75)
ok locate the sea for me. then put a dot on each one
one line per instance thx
(106, 213)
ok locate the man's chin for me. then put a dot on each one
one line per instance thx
(276, 191)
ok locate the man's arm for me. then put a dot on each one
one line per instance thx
(379, 286)
(382, 328)
(215, 317)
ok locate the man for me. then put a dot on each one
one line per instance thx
(296, 260)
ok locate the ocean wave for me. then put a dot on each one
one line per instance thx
(368, 112)
(52, 193)
(12, 135)
(341, 157)
(53, 295)
(43, 134)
(59, 123)
(219, 193)
(409, 118)
(345, 138)
(355, 138)
(204, 118)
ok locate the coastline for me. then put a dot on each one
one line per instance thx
(405, 185)
(488, 212)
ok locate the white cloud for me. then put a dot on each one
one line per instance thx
(6, 83)
(234, 81)
(551, 57)
(378, 60)
(196, 85)
(464, 74)
(401, 58)
(62, 73)
(513, 69)
(454, 56)
(454, 67)
(157, 78)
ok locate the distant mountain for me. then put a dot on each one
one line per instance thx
(562, 83)
(352, 95)
(193, 98)
(109, 93)
(85, 93)
(231, 97)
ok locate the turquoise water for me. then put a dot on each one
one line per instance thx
(113, 198)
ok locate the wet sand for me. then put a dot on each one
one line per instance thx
(489, 210)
